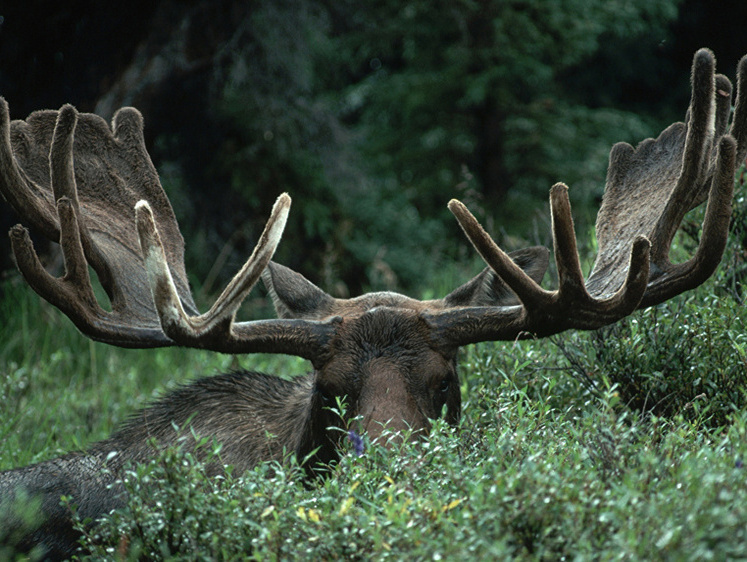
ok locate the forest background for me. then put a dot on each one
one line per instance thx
(371, 115)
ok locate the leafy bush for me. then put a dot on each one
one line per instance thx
(683, 358)
(177, 511)
(531, 482)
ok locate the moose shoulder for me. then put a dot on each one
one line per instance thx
(94, 190)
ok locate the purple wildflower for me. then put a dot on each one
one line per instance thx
(357, 441)
(739, 463)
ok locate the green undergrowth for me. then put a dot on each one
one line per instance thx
(514, 482)
(547, 462)
(626, 443)
(60, 391)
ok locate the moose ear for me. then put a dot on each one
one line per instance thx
(295, 296)
(487, 289)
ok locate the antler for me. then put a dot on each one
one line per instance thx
(216, 330)
(648, 192)
(87, 186)
(87, 206)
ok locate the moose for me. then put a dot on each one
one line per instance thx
(93, 189)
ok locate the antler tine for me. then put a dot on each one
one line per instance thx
(723, 104)
(570, 277)
(165, 296)
(76, 267)
(228, 302)
(74, 236)
(214, 327)
(700, 131)
(61, 155)
(739, 123)
(677, 278)
(528, 291)
(72, 293)
(15, 185)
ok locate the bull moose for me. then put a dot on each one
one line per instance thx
(94, 190)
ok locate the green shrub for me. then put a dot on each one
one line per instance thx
(687, 357)
(530, 483)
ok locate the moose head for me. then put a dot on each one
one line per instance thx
(392, 358)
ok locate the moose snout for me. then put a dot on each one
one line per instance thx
(389, 411)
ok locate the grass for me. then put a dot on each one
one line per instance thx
(628, 443)
(60, 391)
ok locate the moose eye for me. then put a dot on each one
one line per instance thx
(324, 394)
(445, 384)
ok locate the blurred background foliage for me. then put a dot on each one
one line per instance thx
(371, 115)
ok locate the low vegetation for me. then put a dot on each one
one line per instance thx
(628, 443)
